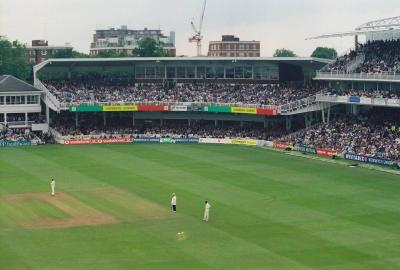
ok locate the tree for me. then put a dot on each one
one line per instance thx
(148, 47)
(13, 60)
(68, 54)
(324, 52)
(284, 53)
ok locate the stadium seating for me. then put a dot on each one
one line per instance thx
(104, 92)
(379, 57)
(376, 134)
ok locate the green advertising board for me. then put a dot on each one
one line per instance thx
(86, 108)
(15, 143)
(217, 109)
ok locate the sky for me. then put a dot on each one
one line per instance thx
(276, 23)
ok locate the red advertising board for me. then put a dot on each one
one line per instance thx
(326, 152)
(281, 145)
(153, 108)
(99, 141)
(267, 112)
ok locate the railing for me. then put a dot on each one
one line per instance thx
(296, 105)
(205, 104)
(384, 76)
(19, 123)
(361, 100)
(49, 96)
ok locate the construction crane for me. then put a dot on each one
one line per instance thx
(197, 37)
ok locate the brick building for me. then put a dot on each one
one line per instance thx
(231, 46)
(40, 51)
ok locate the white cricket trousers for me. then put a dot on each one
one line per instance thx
(206, 215)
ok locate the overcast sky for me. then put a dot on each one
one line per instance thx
(276, 23)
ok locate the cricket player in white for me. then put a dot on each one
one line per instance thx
(206, 211)
(173, 202)
(53, 186)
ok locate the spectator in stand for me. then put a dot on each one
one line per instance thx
(372, 134)
(250, 94)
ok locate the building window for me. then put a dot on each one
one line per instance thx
(1, 100)
(32, 100)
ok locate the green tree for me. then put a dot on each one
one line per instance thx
(13, 60)
(148, 47)
(324, 52)
(111, 54)
(68, 54)
(284, 53)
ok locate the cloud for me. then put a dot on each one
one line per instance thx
(276, 23)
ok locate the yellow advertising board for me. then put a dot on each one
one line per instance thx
(120, 108)
(244, 142)
(244, 110)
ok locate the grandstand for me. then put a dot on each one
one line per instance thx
(265, 99)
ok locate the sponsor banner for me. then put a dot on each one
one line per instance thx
(186, 140)
(366, 159)
(305, 149)
(379, 101)
(121, 108)
(217, 109)
(153, 108)
(99, 141)
(394, 102)
(365, 100)
(146, 140)
(15, 144)
(86, 108)
(244, 142)
(244, 110)
(267, 112)
(179, 108)
(354, 99)
(342, 99)
(195, 108)
(282, 145)
(167, 140)
(326, 152)
(214, 141)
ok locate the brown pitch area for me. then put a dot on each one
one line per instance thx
(79, 213)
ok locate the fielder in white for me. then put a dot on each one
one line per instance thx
(173, 202)
(207, 207)
(53, 187)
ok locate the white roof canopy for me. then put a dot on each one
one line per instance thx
(378, 26)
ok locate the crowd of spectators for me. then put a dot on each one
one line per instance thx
(373, 134)
(75, 92)
(391, 94)
(23, 135)
(173, 129)
(341, 63)
(380, 57)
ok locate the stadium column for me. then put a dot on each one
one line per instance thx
(26, 119)
(133, 119)
(5, 119)
(215, 123)
(329, 115)
(76, 119)
(323, 113)
(104, 119)
(47, 114)
(288, 122)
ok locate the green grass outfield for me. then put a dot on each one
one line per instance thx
(269, 210)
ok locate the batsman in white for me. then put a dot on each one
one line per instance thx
(53, 187)
(207, 207)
